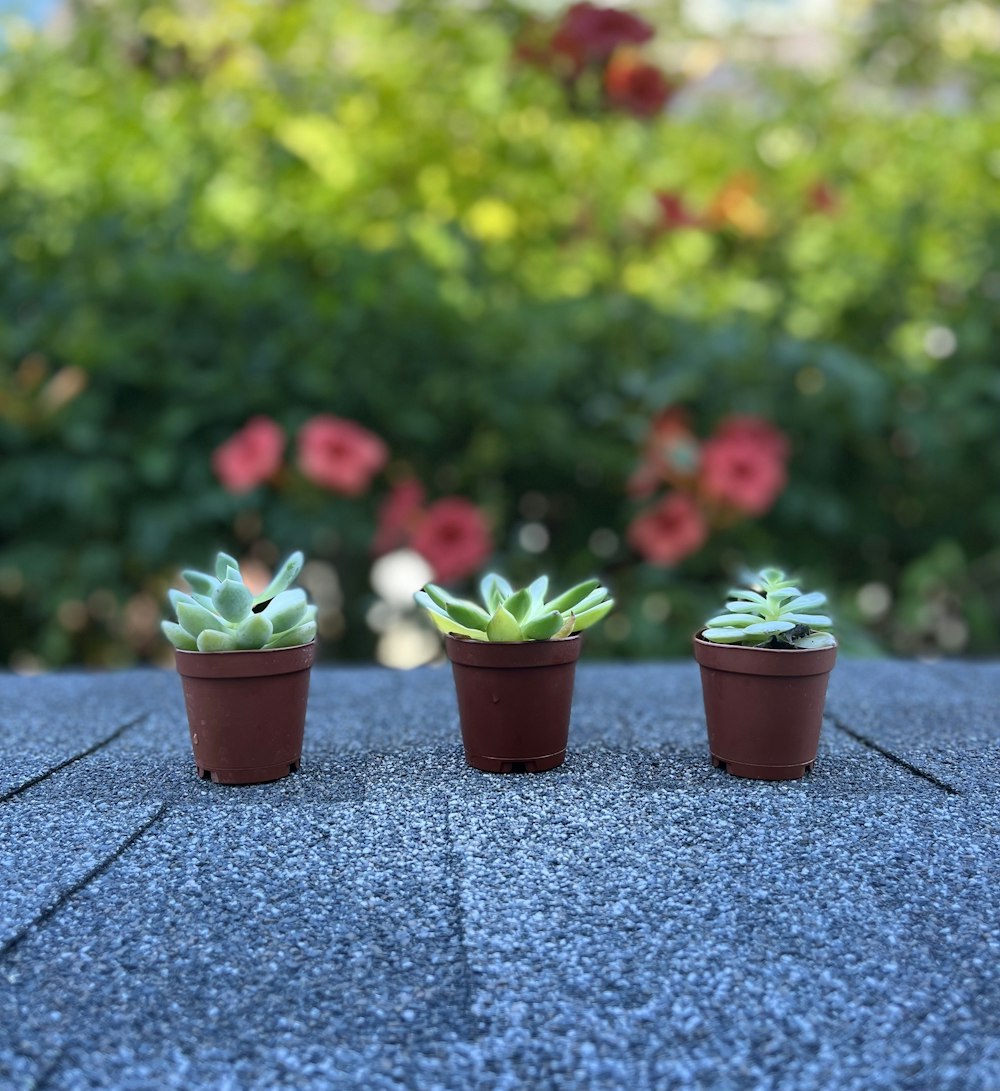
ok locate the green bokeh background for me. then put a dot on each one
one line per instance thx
(293, 208)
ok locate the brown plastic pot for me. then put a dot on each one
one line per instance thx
(514, 701)
(246, 711)
(763, 707)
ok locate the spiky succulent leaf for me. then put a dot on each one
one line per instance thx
(232, 599)
(503, 626)
(592, 616)
(211, 640)
(254, 632)
(537, 589)
(439, 595)
(568, 599)
(286, 575)
(223, 562)
(179, 637)
(493, 589)
(196, 619)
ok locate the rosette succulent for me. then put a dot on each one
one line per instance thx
(221, 614)
(773, 613)
(511, 616)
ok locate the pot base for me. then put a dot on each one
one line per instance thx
(763, 772)
(261, 775)
(515, 765)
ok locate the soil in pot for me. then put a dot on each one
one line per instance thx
(514, 701)
(763, 707)
(246, 711)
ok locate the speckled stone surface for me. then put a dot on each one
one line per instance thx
(389, 918)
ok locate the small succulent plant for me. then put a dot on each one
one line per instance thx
(221, 614)
(513, 616)
(773, 613)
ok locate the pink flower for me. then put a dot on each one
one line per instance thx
(453, 538)
(640, 88)
(250, 456)
(743, 465)
(669, 531)
(339, 454)
(397, 515)
(671, 454)
(592, 33)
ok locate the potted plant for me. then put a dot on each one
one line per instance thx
(244, 663)
(514, 660)
(764, 664)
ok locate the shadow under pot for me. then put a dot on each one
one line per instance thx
(246, 711)
(514, 701)
(763, 707)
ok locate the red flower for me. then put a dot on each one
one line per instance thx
(453, 538)
(591, 33)
(671, 454)
(822, 197)
(339, 454)
(250, 456)
(743, 465)
(397, 515)
(674, 213)
(669, 531)
(640, 88)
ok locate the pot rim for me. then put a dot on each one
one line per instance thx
(500, 654)
(245, 662)
(739, 659)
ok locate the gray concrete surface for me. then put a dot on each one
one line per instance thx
(389, 918)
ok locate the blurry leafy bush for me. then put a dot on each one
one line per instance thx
(283, 211)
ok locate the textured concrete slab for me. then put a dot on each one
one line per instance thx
(390, 918)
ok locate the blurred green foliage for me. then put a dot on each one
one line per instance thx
(285, 209)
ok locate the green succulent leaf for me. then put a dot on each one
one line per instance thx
(595, 598)
(725, 634)
(201, 582)
(232, 599)
(519, 604)
(537, 589)
(286, 610)
(286, 575)
(807, 602)
(493, 589)
(254, 632)
(725, 620)
(769, 628)
(223, 562)
(211, 640)
(817, 621)
(196, 619)
(177, 597)
(439, 596)
(301, 634)
(741, 595)
(179, 637)
(503, 626)
(468, 614)
(569, 599)
(543, 627)
(592, 616)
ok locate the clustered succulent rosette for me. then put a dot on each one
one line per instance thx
(772, 612)
(512, 616)
(221, 614)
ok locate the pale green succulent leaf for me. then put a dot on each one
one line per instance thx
(817, 621)
(254, 632)
(739, 606)
(724, 620)
(290, 638)
(177, 597)
(286, 575)
(493, 589)
(595, 598)
(201, 582)
(503, 626)
(179, 637)
(196, 619)
(223, 562)
(807, 602)
(814, 641)
(211, 640)
(232, 599)
(725, 634)
(286, 610)
(537, 589)
(769, 628)
(468, 614)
